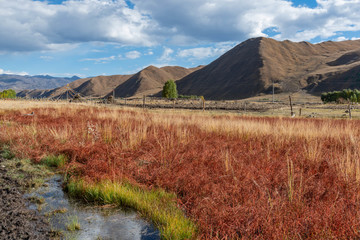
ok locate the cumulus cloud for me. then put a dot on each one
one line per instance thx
(205, 52)
(133, 55)
(236, 20)
(166, 55)
(28, 25)
(2, 71)
(33, 25)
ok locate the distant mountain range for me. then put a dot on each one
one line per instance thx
(148, 81)
(18, 82)
(249, 69)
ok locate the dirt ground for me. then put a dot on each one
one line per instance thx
(17, 221)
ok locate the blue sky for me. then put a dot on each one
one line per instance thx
(107, 37)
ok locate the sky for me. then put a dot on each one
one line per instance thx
(107, 37)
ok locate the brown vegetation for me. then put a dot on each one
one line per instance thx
(236, 177)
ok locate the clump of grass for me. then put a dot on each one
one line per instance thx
(54, 161)
(73, 223)
(56, 211)
(36, 200)
(157, 205)
(6, 153)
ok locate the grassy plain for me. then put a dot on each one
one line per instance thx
(235, 177)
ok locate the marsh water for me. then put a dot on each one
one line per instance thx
(96, 222)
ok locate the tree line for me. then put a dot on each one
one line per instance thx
(344, 96)
(9, 93)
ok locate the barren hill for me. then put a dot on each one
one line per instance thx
(94, 86)
(146, 82)
(251, 67)
(151, 80)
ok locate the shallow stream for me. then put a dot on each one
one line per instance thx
(96, 222)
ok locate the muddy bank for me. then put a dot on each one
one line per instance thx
(17, 221)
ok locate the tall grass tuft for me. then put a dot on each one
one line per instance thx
(157, 205)
(54, 161)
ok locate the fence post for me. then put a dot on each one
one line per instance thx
(350, 110)
(144, 99)
(203, 102)
(291, 107)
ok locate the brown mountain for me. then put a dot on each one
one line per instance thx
(91, 87)
(151, 80)
(251, 67)
(146, 82)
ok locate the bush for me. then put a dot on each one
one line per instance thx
(346, 95)
(169, 90)
(8, 94)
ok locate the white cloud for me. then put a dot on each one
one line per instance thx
(35, 25)
(29, 25)
(237, 20)
(166, 55)
(149, 53)
(100, 60)
(133, 55)
(205, 52)
(47, 58)
(2, 71)
(342, 38)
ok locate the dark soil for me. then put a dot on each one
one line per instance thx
(16, 220)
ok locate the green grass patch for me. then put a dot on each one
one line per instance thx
(6, 153)
(73, 223)
(54, 161)
(157, 205)
(30, 175)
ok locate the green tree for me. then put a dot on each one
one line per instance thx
(169, 90)
(9, 93)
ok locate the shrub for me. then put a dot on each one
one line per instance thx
(344, 96)
(8, 94)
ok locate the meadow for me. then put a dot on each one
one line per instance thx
(200, 175)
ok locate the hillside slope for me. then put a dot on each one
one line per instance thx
(151, 80)
(91, 87)
(251, 67)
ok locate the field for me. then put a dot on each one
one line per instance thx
(232, 176)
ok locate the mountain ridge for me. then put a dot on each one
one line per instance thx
(21, 82)
(249, 69)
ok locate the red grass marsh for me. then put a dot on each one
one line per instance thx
(200, 175)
